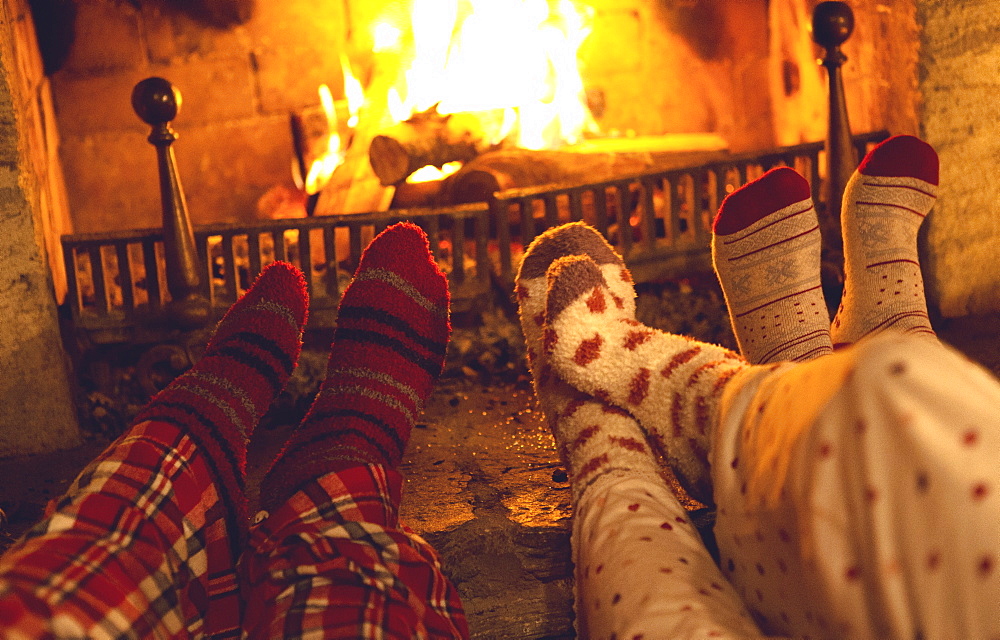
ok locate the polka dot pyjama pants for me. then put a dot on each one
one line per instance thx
(857, 495)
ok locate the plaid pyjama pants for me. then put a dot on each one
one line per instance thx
(141, 547)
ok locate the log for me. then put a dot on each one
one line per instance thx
(427, 138)
(411, 195)
(592, 161)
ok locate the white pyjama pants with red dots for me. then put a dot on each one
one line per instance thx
(858, 496)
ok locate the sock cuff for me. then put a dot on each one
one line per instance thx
(902, 156)
(778, 188)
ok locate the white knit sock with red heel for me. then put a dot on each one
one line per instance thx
(669, 383)
(766, 252)
(885, 202)
(594, 438)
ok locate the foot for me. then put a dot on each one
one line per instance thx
(246, 364)
(885, 202)
(388, 351)
(766, 252)
(593, 437)
(669, 383)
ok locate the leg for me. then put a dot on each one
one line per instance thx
(330, 558)
(145, 542)
(641, 569)
(832, 477)
(334, 562)
(885, 202)
(671, 384)
(857, 495)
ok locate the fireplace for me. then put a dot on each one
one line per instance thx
(742, 75)
(699, 68)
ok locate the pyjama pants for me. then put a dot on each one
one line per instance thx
(140, 547)
(857, 496)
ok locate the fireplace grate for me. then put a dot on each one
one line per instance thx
(660, 222)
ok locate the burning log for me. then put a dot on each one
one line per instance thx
(427, 138)
(417, 194)
(593, 161)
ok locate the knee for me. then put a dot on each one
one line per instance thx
(889, 358)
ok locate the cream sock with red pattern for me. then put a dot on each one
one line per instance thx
(766, 252)
(885, 202)
(671, 384)
(593, 437)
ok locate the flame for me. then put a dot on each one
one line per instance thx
(512, 61)
(324, 165)
(429, 173)
(353, 92)
(518, 56)
(322, 168)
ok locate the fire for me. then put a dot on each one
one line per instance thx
(513, 63)
(517, 56)
(323, 166)
(430, 173)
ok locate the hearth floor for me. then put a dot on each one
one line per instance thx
(483, 485)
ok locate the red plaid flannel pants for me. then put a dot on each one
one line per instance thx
(139, 547)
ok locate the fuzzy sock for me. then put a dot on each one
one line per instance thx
(593, 437)
(388, 350)
(766, 252)
(885, 202)
(245, 366)
(671, 384)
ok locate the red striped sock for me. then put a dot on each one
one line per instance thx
(766, 252)
(885, 202)
(246, 364)
(388, 350)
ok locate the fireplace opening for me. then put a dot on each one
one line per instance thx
(642, 77)
(345, 107)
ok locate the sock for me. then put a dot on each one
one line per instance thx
(885, 202)
(766, 252)
(593, 438)
(388, 350)
(671, 384)
(246, 364)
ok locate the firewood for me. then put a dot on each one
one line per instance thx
(593, 161)
(427, 138)
(417, 194)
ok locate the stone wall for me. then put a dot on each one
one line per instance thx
(959, 80)
(36, 409)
